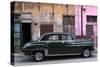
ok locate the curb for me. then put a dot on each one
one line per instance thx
(17, 54)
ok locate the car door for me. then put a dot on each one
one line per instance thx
(70, 45)
(55, 46)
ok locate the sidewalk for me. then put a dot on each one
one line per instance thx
(17, 54)
(96, 50)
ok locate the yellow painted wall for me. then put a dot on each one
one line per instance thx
(17, 7)
(42, 14)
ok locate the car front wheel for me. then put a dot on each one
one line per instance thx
(38, 56)
(86, 53)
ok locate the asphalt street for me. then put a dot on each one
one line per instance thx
(21, 59)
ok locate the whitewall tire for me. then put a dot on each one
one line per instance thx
(38, 56)
(86, 53)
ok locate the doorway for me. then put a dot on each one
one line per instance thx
(89, 30)
(26, 33)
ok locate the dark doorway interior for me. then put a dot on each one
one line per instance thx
(26, 32)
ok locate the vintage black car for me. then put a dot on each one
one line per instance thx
(58, 44)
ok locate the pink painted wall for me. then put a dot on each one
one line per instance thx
(89, 10)
(78, 20)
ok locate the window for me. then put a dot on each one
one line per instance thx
(44, 28)
(89, 30)
(53, 37)
(16, 35)
(17, 17)
(69, 24)
(50, 37)
(69, 29)
(17, 30)
(67, 37)
(69, 20)
(16, 43)
(91, 18)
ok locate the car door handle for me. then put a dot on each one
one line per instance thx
(62, 42)
(47, 42)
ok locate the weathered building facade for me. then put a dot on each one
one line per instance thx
(38, 18)
(31, 20)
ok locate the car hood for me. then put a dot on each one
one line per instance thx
(32, 43)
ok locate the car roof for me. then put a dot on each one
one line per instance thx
(55, 33)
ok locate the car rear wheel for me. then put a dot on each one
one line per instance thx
(38, 56)
(86, 53)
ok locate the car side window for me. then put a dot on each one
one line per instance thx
(67, 37)
(44, 38)
(50, 38)
(53, 37)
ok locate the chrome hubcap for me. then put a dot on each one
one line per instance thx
(86, 53)
(38, 56)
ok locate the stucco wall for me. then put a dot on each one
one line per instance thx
(43, 13)
(78, 20)
(89, 10)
